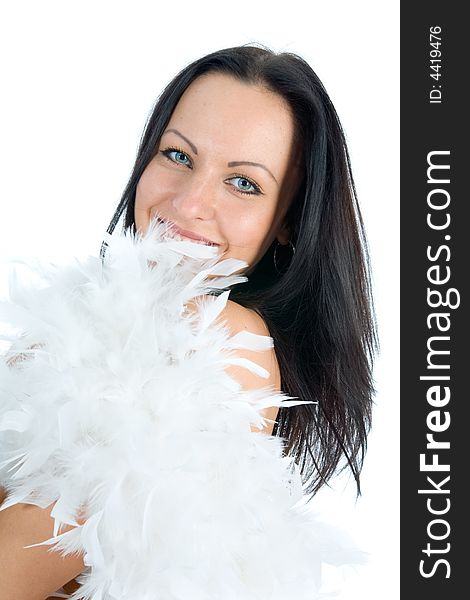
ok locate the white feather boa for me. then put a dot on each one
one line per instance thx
(121, 411)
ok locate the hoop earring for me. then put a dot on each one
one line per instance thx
(275, 252)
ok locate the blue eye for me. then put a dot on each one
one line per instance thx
(178, 157)
(245, 186)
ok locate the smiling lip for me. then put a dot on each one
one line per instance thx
(188, 234)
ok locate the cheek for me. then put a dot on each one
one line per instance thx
(145, 198)
(251, 229)
(152, 189)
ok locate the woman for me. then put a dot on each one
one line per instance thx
(244, 150)
(309, 273)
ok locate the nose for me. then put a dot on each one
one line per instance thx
(196, 200)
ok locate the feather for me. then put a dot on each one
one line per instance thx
(253, 341)
(212, 310)
(122, 414)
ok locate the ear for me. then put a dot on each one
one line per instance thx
(283, 235)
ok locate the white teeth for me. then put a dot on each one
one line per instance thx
(180, 238)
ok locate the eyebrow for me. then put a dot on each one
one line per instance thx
(191, 145)
(234, 163)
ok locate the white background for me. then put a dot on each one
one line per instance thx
(79, 79)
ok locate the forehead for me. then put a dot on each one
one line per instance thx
(221, 113)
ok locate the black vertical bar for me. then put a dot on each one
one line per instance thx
(434, 259)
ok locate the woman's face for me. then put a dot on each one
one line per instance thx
(224, 169)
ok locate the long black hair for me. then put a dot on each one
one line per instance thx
(318, 305)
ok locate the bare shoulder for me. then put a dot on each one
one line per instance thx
(239, 318)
